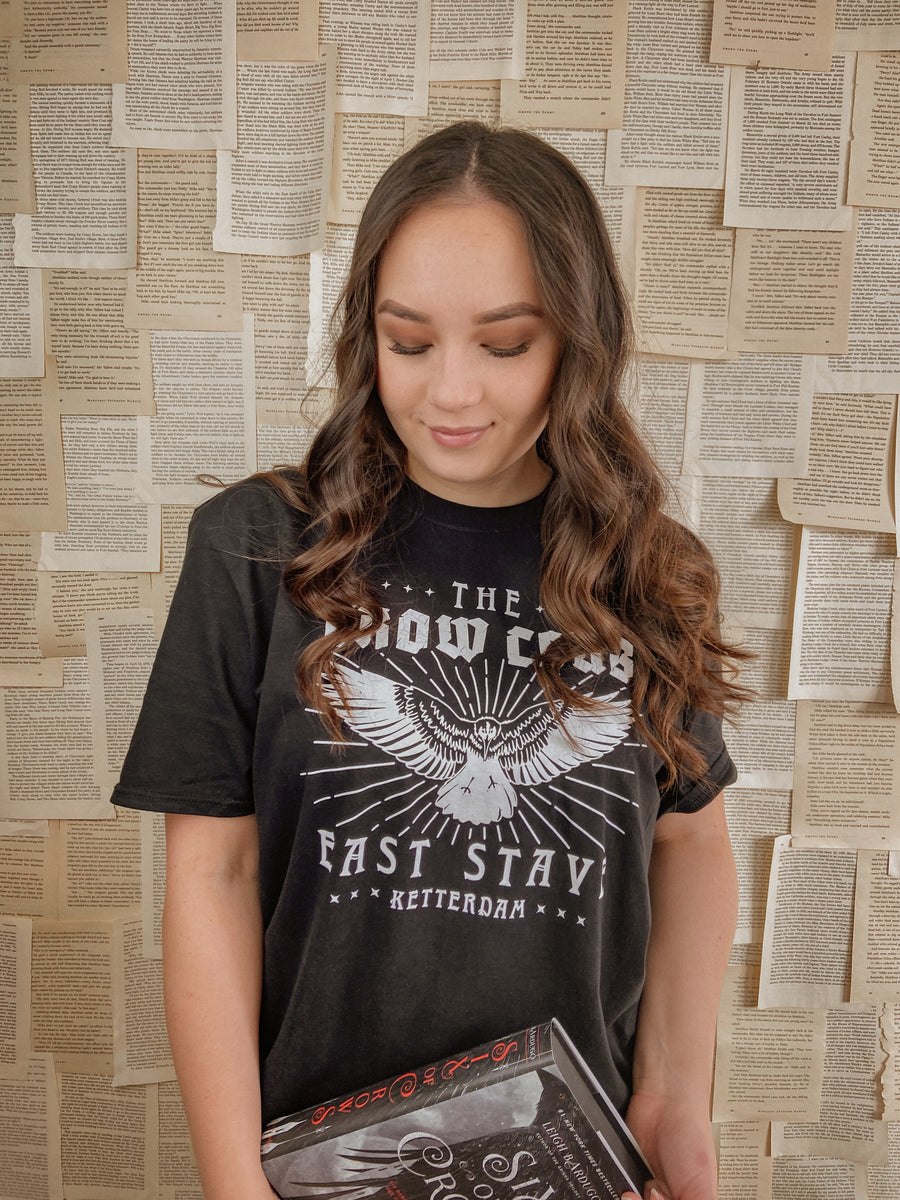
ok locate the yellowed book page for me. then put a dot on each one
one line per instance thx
(883, 1182)
(478, 39)
(281, 445)
(100, 867)
(466, 100)
(867, 25)
(841, 642)
(46, 760)
(32, 476)
(755, 818)
(895, 638)
(741, 1148)
(849, 481)
(140, 1046)
(21, 663)
(175, 521)
(21, 312)
(180, 91)
(774, 33)
(788, 147)
(12, 18)
(749, 416)
(327, 271)
(109, 1138)
(382, 64)
(86, 215)
(809, 924)
(753, 548)
(790, 291)
(272, 193)
(847, 1126)
(15, 998)
(101, 366)
(108, 530)
(847, 775)
(769, 1062)
(153, 881)
(29, 1133)
(574, 67)
(890, 1078)
(177, 1166)
(16, 183)
(205, 423)
(682, 272)
(180, 281)
(761, 739)
(876, 931)
(63, 598)
(676, 101)
(659, 409)
(874, 179)
(29, 865)
(276, 292)
(872, 361)
(71, 43)
(365, 144)
(277, 30)
(121, 647)
(71, 993)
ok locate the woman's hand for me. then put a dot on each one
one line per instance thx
(676, 1139)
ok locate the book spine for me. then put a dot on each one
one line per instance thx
(421, 1088)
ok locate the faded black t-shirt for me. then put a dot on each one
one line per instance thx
(458, 868)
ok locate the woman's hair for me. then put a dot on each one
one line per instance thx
(614, 565)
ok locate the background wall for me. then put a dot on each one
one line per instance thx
(179, 185)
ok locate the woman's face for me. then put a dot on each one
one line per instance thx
(466, 354)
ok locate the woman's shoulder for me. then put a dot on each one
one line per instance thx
(261, 514)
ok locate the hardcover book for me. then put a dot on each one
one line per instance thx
(519, 1118)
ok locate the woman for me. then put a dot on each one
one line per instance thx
(506, 751)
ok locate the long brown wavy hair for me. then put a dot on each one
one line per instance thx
(614, 564)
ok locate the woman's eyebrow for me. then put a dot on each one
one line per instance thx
(506, 313)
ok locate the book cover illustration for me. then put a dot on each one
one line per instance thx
(499, 1123)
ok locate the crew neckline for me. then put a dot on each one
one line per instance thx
(416, 501)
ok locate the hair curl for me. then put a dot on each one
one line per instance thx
(614, 564)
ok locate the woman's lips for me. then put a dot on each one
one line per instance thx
(463, 436)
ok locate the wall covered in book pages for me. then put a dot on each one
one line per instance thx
(177, 203)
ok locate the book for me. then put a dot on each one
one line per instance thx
(518, 1118)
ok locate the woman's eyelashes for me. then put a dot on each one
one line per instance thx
(494, 351)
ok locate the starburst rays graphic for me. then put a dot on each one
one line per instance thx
(456, 753)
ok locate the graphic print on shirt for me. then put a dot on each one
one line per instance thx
(454, 756)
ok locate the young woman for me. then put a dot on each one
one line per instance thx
(436, 719)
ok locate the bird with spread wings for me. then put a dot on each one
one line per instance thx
(479, 759)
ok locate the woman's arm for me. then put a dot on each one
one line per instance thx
(212, 972)
(693, 893)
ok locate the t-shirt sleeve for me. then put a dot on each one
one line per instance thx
(192, 748)
(688, 794)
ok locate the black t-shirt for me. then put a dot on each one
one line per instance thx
(458, 868)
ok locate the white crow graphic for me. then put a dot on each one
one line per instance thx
(478, 759)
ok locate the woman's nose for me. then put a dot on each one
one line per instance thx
(455, 383)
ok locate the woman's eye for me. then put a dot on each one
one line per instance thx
(397, 348)
(510, 352)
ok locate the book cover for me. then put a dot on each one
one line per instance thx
(519, 1118)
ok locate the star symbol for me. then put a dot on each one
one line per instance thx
(561, 912)
(581, 920)
(376, 892)
(407, 588)
(542, 908)
(354, 895)
(335, 899)
(429, 591)
(386, 585)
